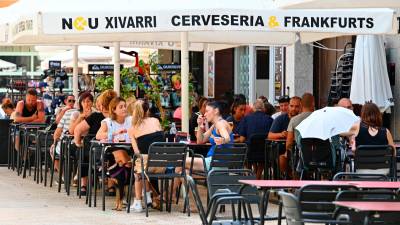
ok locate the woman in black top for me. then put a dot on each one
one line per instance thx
(369, 130)
(145, 130)
(90, 126)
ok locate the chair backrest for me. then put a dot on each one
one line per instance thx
(360, 177)
(256, 151)
(357, 218)
(291, 208)
(232, 157)
(197, 199)
(316, 153)
(367, 195)
(316, 200)
(229, 179)
(374, 157)
(167, 154)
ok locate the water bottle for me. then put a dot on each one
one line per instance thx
(110, 134)
(173, 130)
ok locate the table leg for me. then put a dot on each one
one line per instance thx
(263, 205)
(103, 191)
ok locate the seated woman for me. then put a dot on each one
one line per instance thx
(238, 110)
(115, 128)
(369, 131)
(90, 126)
(202, 103)
(85, 109)
(219, 134)
(6, 109)
(145, 130)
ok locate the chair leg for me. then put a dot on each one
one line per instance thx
(61, 167)
(145, 196)
(128, 207)
(89, 181)
(186, 200)
(103, 176)
(78, 190)
(178, 193)
(170, 195)
(46, 165)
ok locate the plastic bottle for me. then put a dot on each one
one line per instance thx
(110, 134)
(173, 130)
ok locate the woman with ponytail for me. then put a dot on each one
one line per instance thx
(145, 130)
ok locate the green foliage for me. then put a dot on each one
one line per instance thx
(131, 80)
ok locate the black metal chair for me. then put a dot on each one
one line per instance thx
(44, 141)
(231, 198)
(273, 150)
(29, 147)
(294, 215)
(376, 157)
(361, 177)
(256, 154)
(315, 158)
(223, 183)
(316, 201)
(162, 155)
(233, 157)
(357, 218)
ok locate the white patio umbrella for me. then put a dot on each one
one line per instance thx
(327, 122)
(89, 55)
(7, 66)
(370, 81)
(208, 21)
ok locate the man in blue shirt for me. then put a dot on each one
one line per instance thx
(279, 126)
(255, 123)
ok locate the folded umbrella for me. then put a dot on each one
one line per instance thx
(327, 122)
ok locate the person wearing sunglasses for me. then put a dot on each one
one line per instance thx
(69, 102)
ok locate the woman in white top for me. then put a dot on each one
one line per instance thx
(115, 127)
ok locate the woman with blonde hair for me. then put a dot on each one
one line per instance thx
(145, 130)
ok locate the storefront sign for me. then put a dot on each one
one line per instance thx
(163, 67)
(332, 20)
(54, 64)
(102, 67)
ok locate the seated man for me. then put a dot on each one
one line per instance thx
(69, 104)
(278, 129)
(255, 123)
(308, 105)
(30, 110)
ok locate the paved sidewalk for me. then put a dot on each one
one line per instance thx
(23, 202)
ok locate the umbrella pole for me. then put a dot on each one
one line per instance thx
(75, 85)
(185, 81)
(117, 75)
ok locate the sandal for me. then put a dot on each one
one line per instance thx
(83, 191)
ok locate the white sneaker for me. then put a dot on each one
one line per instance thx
(136, 206)
(149, 199)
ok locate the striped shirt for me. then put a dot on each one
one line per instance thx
(65, 121)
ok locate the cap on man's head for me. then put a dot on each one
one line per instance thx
(283, 99)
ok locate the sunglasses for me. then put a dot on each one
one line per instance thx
(71, 100)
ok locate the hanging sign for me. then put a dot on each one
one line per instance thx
(163, 67)
(360, 21)
(102, 67)
(54, 64)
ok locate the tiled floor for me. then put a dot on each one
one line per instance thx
(23, 202)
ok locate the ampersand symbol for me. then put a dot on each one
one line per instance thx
(272, 22)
